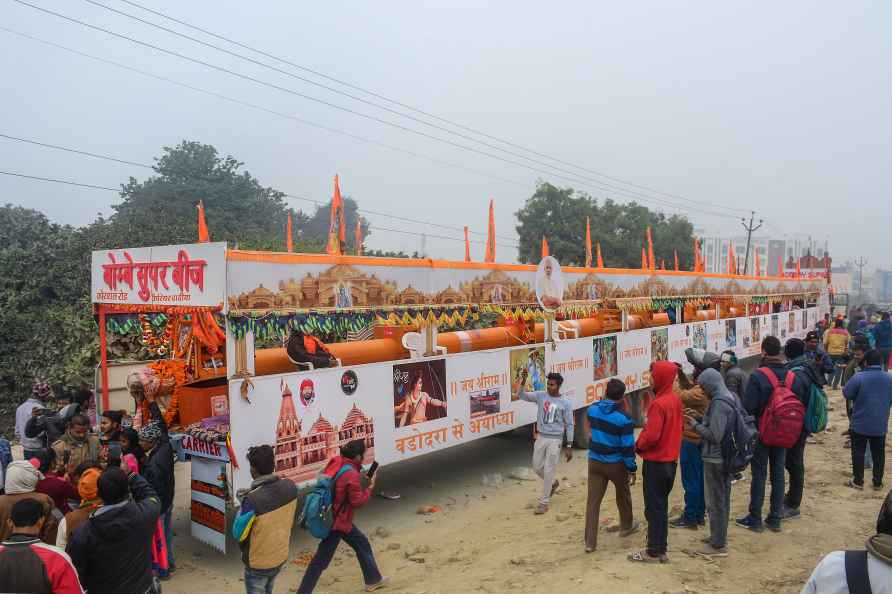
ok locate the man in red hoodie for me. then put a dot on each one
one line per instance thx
(349, 496)
(659, 445)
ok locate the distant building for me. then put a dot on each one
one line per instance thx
(771, 253)
(882, 286)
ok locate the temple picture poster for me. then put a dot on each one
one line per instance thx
(549, 284)
(659, 344)
(756, 333)
(533, 360)
(485, 402)
(731, 333)
(792, 322)
(419, 392)
(700, 336)
(775, 324)
(604, 360)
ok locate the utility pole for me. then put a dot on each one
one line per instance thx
(861, 263)
(749, 235)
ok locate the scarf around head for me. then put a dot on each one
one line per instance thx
(88, 485)
(21, 477)
(151, 432)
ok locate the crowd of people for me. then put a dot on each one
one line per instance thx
(702, 423)
(91, 508)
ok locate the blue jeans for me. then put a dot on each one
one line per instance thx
(260, 581)
(839, 365)
(327, 547)
(692, 481)
(168, 535)
(763, 457)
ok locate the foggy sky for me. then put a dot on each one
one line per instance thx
(782, 107)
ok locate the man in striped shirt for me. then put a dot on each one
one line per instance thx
(611, 458)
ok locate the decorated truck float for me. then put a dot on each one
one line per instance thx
(307, 352)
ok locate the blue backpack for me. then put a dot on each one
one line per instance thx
(317, 515)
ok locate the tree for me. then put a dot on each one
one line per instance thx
(559, 214)
(316, 227)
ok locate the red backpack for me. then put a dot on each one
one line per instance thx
(782, 420)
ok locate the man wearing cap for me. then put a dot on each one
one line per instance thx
(158, 471)
(41, 394)
(818, 356)
(735, 377)
(109, 432)
(87, 488)
(21, 482)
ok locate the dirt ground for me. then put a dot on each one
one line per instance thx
(486, 539)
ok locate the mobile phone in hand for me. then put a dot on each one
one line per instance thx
(372, 470)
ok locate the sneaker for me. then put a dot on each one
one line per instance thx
(541, 509)
(377, 586)
(853, 485)
(681, 522)
(773, 525)
(750, 523)
(878, 486)
(790, 513)
(737, 478)
(711, 551)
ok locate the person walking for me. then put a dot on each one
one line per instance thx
(836, 343)
(77, 446)
(755, 401)
(871, 394)
(29, 565)
(882, 334)
(611, 459)
(349, 496)
(711, 428)
(158, 470)
(112, 549)
(794, 460)
(659, 445)
(554, 421)
(41, 393)
(21, 483)
(264, 521)
(735, 377)
(692, 397)
(874, 565)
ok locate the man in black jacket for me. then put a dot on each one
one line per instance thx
(158, 470)
(112, 549)
(807, 375)
(755, 400)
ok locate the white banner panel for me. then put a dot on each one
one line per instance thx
(208, 517)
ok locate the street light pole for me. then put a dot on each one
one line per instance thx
(749, 234)
(861, 263)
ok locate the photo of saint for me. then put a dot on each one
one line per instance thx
(342, 295)
(418, 393)
(531, 361)
(549, 284)
(604, 357)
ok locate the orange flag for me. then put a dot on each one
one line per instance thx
(644, 262)
(675, 253)
(203, 235)
(798, 270)
(780, 266)
(600, 259)
(357, 238)
(491, 235)
(758, 266)
(544, 247)
(652, 264)
(467, 246)
(337, 234)
(289, 238)
(663, 264)
(730, 258)
(588, 243)
(696, 266)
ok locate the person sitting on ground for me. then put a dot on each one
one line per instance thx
(871, 394)
(349, 496)
(21, 482)
(88, 489)
(76, 446)
(112, 549)
(712, 427)
(29, 565)
(735, 377)
(58, 487)
(263, 524)
(840, 571)
(659, 445)
(611, 459)
(692, 397)
(555, 423)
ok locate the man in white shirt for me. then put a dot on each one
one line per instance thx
(41, 392)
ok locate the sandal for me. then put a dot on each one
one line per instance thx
(644, 557)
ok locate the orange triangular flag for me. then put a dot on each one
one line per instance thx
(600, 259)
(644, 263)
(289, 238)
(203, 235)
(491, 235)
(467, 246)
(798, 269)
(357, 238)
(675, 253)
(652, 264)
(544, 247)
(696, 266)
(588, 243)
(730, 258)
(336, 231)
(780, 266)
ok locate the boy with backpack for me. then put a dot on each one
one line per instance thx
(263, 524)
(343, 473)
(712, 429)
(770, 398)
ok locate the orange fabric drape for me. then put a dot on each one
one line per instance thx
(203, 235)
(696, 266)
(798, 269)
(588, 243)
(357, 237)
(544, 247)
(337, 232)
(675, 253)
(467, 246)
(600, 259)
(491, 235)
(652, 264)
(289, 237)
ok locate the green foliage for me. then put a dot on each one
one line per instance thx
(316, 228)
(559, 214)
(386, 254)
